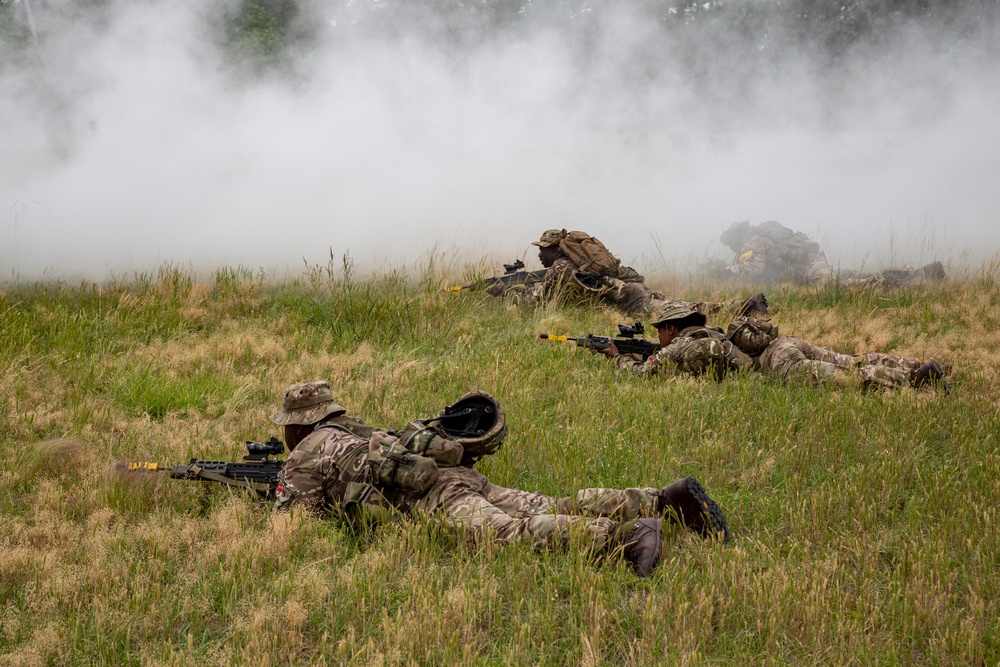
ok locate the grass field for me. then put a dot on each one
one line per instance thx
(865, 524)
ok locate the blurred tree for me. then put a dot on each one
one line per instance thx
(14, 27)
(258, 37)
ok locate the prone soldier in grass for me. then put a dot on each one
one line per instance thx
(771, 252)
(580, 267)
(338, 464)
(688, 345)
(892, 278)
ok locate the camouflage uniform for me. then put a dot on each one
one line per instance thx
(771, 252)
(626, 291)
(701, 350)
(319, 471)
(696, 350)
(465, 498)
(892, 278)
(788, 357)
(330, 470)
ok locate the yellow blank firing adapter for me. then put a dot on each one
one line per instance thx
(564, 339)
(143, 465)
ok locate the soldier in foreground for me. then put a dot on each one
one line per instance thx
(578, 266)
(338, 464)
(687, 345)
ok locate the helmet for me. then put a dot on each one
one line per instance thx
(477, 421)
(675, 310)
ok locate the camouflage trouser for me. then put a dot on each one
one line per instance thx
(465, 498)
(789, 357)
(886, 370)
(636, 299)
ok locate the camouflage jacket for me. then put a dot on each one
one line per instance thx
(558, 277)
(344, 463)
(695, 350)
(317, 473)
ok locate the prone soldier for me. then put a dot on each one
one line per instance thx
(338, 464)
(688, 345)
(578, 266)
(893, 277)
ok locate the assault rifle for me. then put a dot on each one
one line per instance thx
(513, 275)
(258, 472)
(627, 344)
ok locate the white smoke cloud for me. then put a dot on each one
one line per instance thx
(130, 145)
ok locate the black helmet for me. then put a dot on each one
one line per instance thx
(477, 421)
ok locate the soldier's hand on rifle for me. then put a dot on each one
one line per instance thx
(611, 350)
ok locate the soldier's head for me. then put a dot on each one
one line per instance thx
(735, 235)
(548, 246)
(673, 317)
(305, 405)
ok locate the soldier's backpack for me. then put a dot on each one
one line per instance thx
(394, 466)
(589, 254)
(795, 247)
(750, 335)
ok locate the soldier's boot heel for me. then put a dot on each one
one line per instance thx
(686, 502)
(642, 545)
(930, 371)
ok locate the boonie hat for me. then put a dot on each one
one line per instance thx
(307, 403)
(676, 310)
(550, 237)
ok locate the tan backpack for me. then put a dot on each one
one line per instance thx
(589, 254)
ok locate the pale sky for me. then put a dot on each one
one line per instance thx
(128, 147)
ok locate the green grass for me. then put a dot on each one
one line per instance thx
(865, 524)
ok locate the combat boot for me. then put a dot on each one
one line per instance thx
(930, 371)
(686, 502)
(642, 545)
(755, 306)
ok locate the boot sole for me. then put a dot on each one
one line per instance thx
(709, 507)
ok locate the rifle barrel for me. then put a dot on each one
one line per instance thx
(624, 345)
